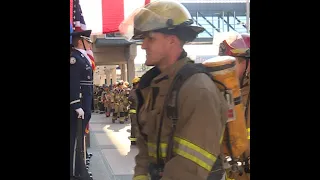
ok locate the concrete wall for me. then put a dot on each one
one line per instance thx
(115, 55)
(110, 55)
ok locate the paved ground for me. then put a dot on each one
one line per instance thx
(113, 156)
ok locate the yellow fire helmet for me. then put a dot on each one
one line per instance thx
(165, 16)
(135, 80)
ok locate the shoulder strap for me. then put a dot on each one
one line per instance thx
(171, 107)
(171, 101)
(183, 74)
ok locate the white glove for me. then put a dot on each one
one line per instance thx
(80, 113)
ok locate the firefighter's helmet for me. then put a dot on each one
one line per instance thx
(228, 41)
(119, 83)
(135, 80)
(243, 52)
(166, 16)
(246, 38)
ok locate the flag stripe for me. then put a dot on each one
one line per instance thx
(112, 15)
(71, 11)
(105, 16)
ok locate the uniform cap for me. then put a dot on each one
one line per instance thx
(82, 34)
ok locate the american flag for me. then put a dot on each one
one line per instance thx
(79, 24)
(77, 17)
(105, 16)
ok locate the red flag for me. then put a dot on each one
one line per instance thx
(90, 54)
(105, 16)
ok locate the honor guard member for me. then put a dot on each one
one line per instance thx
(132, 110)
(81, 87)
(170, 147)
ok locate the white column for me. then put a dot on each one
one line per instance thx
(96, 79)
(103, 77)
(122, 72)
(107, 73)
(114, 75)
(247, 15)
(130, 70)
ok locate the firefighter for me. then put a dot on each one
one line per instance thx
(243, 69)
(165, 26)
(238, 45)
(107, 101)
(118, 97)
(132, 112)
(113, 89)
(126, 101)
(95, 99)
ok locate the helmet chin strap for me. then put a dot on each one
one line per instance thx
(83, 44)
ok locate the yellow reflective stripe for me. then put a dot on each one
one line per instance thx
(227, 178)
(141, 177)
(153, 145)
(248, 132)
(194, 153)
(152, 149)
(154, 154)
(133, 139)
(133, 111)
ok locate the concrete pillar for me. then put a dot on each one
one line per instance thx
(130, 62)
(107, 72)
(102, 80)
(130, 69)
(96, 79)
(114, 75)
(123, 72)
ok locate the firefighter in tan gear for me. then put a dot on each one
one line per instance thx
(114, 87)
(132, 110)
(119, 98)
(165, 26)
(95, 99)
(107, 101)
(126, 101)
(243, 69)
(238, 45)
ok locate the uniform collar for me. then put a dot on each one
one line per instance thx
(84, 52)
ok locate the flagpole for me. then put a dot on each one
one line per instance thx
(248, 17)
